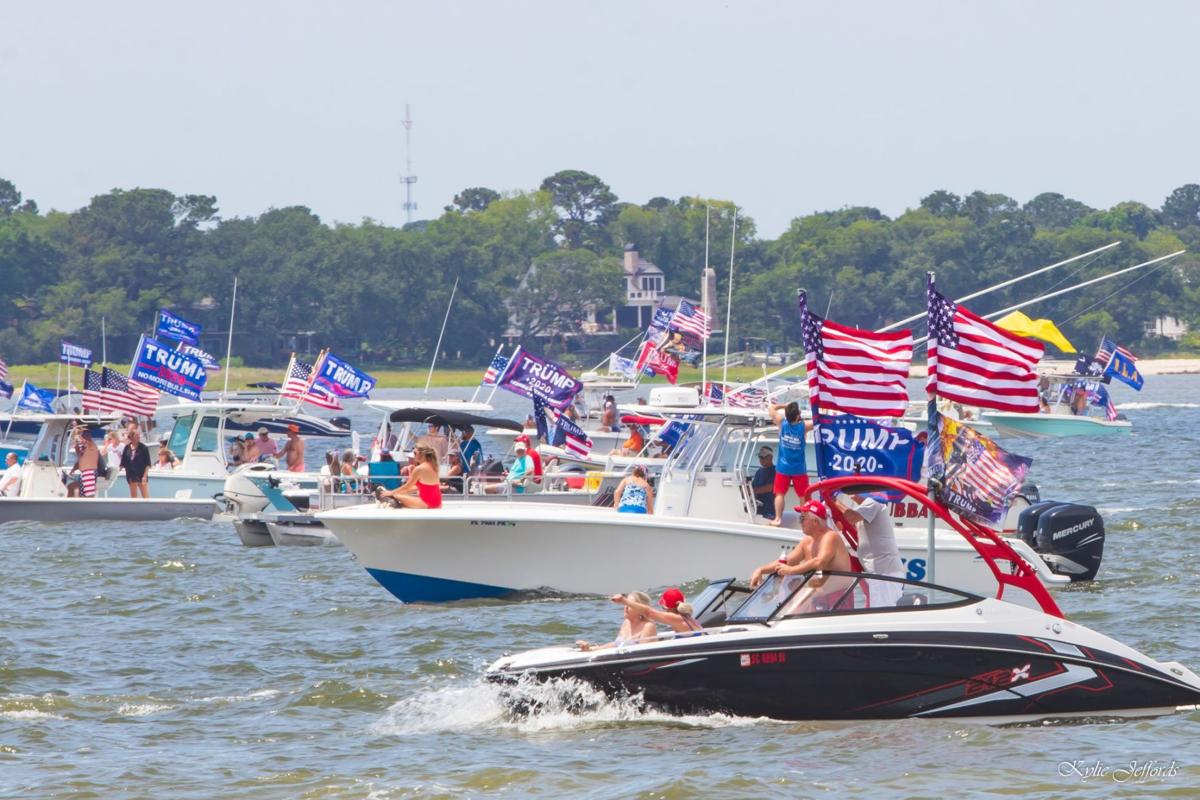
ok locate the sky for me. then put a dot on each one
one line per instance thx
(785, 108)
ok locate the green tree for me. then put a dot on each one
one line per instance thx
(476, 198)
(1052, 210)
(585, 204)
(942, 203)
(1182, 206)
(560, 288)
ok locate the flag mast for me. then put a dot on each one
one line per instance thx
(932, 440)
(729, 312)
(704, 302)
(229, 341)
(438, 347)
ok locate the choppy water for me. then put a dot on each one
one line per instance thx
(166, 660)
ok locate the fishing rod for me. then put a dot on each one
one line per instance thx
(1001, 285)
(438, 348)
(1069, 289)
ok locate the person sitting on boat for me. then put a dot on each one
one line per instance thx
(422, 489)
(636, 441)
(349, 470)
(520, 471)
(790, 470)
(821, 548)
(267, 448)
(634, 494)
(676, 614)
(81, 481)
(877, 549)
(452, 481)
(534, 456)
(764, 483)
(10, 480)
(637, 626)
(293, 449)
(250, 452)
(166, 459)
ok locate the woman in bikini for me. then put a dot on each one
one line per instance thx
(423, 489)
(636, 627)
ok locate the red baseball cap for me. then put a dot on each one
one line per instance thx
(521, 438)
(671, 598)
(814, 507)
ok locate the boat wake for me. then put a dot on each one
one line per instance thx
(1145, 406)
(531, 707)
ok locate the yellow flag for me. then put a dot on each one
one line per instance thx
(1042, 329)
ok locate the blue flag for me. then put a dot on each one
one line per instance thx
(210, 363)
(539, 417)
(343, 380)
(528, 376)
(35, 399)
(74, 355)
(1122, 367)
(851, 445)
(173, 327)
(168, 370)
(6, 389)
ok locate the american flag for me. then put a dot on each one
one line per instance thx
(92, 386)
(574, 439)
(296, 386)
(3, 370)
(992, 480)
(855, 371)
(690, 319)
(748, 397)
(495, 369)
(119, 393)
(1107, 348)
(975, 362)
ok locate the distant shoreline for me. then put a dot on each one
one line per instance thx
(45, 375)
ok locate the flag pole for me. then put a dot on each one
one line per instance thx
(932, 439)
(489, 366)
(704, 301)
(103, 342)
(507, 366)
(229, 340)
(814, 409)
(729, 313)
(438, 347)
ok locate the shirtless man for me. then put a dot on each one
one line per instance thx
(87, 462)
(821, 549)
(293, 449)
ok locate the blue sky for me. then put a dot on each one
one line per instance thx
(783, 107)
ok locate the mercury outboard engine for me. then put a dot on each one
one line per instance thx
(1069, 537)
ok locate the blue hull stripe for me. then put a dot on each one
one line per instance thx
(423, 589)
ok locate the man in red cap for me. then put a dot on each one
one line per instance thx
(821, 549)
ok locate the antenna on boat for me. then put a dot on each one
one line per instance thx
(229, 341)
(438, 348)
(704, 302)
(729, 313)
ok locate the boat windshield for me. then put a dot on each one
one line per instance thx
(841, 592)
(181, 433)
(712, 606)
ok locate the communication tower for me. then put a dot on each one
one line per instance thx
(408, 179)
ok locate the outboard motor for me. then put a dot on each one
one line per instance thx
(1027, 522)
(1068, 537)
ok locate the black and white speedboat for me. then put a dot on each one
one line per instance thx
(813, 647)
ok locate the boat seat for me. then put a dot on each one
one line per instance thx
(384, 473)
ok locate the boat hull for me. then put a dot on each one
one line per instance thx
(80, 509)
(467, 550)
(1034, 426)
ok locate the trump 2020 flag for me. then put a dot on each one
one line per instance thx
(178, 328)
(342, 379)
(6, 389)
(529, 376)
(168, 370)
(35, 399)
(75, 356)
(852, 445)
(207, 359)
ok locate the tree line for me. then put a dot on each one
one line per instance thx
(531, 263)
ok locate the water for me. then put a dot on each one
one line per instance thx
(166, 660)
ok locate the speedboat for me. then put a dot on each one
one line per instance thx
(43, 493)
(815, 647)
(1066, 415)
(704, 523)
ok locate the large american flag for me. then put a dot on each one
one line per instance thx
(690, 319)
(855, 371)
(119, 393)
(975, 362)
(495, 369)
(296, 386)
(747, 397)
(92, 386)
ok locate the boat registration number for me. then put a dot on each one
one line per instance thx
(759, 659)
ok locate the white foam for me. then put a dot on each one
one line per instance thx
(238, 698)
(28, 714)
(1143, 406)
(560, 704)
(142, 709)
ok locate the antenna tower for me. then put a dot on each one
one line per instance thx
(408, 179)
